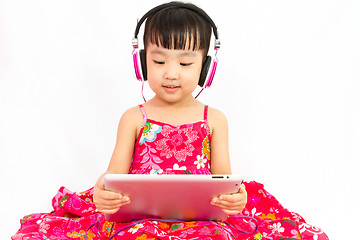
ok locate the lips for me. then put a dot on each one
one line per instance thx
(170, 85)
(170, 88)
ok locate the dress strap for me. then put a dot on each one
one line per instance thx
(144, 114)
(206, 112)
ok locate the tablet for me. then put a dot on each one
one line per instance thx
(180, 197)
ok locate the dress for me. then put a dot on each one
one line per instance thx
(166, 149)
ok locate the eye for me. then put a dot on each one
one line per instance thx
(158, 62)
(185, 64)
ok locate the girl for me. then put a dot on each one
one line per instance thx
(170, 134)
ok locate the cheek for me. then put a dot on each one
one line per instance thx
(196, 72)
(193, 78)
(153, 81)
(152, 73)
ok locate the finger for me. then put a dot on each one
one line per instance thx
(101, 202)
(225, 205)
(122, 201)
(233, 203)
(109, 195)
(230, 208)
(104, 207)
(100, 183)
(111, 206)
(231, 212)
(109, 211)
(231, 199)
(242, 189)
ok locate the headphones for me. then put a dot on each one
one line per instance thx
(210, 63)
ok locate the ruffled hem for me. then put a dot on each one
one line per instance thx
(75, 216)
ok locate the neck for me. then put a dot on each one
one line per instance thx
(174, 113)
(188, 102)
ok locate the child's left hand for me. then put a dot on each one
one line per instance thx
(233, 203)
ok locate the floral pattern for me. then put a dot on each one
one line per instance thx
(150, 158)
(177, 142)
(200, 162)
(275, 222)
(74, 213)
(149, 132)
(206, 147)
(164, 144)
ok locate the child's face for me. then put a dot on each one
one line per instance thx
(173, 74)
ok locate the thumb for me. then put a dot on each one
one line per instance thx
(100, 183)
(242, 188)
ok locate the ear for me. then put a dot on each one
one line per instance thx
(204, 71)
(142, 56)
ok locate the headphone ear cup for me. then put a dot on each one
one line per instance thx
(204, 71)
(143, 64)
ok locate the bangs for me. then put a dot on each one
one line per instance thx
(179, 29)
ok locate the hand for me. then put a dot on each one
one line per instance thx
(108, 202)
(232, 204)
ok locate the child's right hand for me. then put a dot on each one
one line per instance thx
(108, 202)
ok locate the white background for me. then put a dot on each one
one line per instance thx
(288, 81)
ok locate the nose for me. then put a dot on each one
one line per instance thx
(171, 71)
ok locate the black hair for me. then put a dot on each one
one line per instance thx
(176, 27)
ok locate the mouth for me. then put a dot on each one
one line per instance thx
(171, 88)
(166, 86)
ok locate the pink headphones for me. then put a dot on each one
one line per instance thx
(210, 63)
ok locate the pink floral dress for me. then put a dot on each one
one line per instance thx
(166, 149)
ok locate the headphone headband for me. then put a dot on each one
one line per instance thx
(180, 5)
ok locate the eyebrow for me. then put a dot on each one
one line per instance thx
(183, 54)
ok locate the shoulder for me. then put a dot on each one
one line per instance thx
(132, 118)
(216, 119)
(216, 116)
(132, 113)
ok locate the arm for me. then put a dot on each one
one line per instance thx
(220, 160)
(220, 163)
(129, 125)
